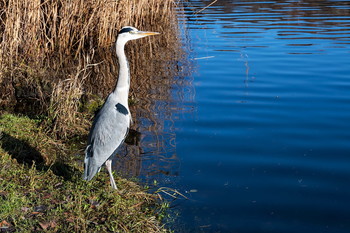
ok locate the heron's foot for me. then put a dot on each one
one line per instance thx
(111, 178)
(114, 186)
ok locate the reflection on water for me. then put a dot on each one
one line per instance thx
(258, 136)
(160, 87)
(266, 147)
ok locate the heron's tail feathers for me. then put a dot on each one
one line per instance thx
(91, 169)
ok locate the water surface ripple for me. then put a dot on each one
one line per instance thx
(265, 147)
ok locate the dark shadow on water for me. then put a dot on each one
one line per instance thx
(28, 155)
(133, 138)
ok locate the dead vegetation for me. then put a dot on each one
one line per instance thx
(55, 54)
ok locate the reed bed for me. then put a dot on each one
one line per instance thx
(56, 55)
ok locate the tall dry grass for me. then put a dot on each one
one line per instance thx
(56, 53)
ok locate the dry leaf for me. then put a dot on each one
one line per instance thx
(4, 194)
(47, 196)
(53, 224)
(4, 224)
(46, 225)
(25, 209)
(70, 219)
(137, 205)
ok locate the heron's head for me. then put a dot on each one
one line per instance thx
(130, 33)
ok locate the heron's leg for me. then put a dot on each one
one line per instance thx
(109, 169)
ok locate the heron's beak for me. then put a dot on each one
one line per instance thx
(147, 33)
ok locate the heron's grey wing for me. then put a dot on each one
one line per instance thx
(107, 134)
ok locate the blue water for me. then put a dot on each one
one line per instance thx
(264, 143)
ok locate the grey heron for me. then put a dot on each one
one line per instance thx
(112, 122)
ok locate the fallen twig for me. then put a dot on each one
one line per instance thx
(205, 7)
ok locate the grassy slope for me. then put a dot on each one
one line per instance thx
(37, 193)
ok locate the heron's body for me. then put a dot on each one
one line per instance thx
(112, 122)
(107, 134)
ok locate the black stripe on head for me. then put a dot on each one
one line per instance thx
(122, 109)
(127, 29)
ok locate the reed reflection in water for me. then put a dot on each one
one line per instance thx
(269, 148)
(160, 86)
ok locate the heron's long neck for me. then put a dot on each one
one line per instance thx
(123, 84)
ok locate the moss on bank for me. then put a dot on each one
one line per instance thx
(38, 193)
